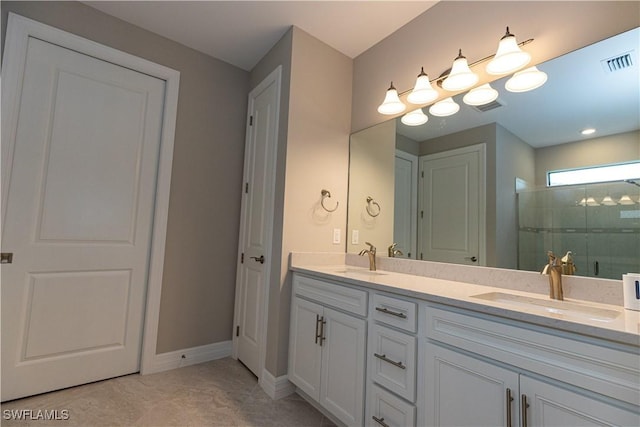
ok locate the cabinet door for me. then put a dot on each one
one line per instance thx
(343, 361)
(551, 405)
(304, 349)
(464, 391)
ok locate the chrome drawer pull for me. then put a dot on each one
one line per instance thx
(380, 421)
(393, 313)
(386, 359)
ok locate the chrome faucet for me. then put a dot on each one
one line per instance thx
(393, 251)
(372, 256)
(554, 270)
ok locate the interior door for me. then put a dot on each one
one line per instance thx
(405, 204)
(79, 207)
(451, 215)
(257, 223)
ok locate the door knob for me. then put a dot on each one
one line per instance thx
(258, 259)
(6, 257)
(471, 258)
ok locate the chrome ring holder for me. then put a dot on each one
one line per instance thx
(326, 194)
(369, 207)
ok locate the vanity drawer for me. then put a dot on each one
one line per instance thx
(331, 294)
(395, 312)
(393, 361)
(386, 409)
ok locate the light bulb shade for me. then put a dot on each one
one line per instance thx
(444, 108)
(423, 92)
(460, 77)
(608, 201)
(592, 202)
(415, 118)
(391, 104)
(626, 200)
(583, 202)
(481, 95)
(526, 80)
(509, 57)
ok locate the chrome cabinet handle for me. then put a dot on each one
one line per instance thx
(386, 359)
(393, 313)
(258, 259)
(509, 400)
(523, 409)
(321, 336)
(380, 421)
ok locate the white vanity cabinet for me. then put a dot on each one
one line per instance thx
(327, 346)
(497, 374)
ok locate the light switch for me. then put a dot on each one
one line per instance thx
(355, 237)
(336, 236)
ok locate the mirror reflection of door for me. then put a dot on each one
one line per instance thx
(405, 204)
(451, 223)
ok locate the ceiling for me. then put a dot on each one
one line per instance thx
(242, 32)
(579, 93)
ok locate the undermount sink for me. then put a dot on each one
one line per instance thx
(561, 309)
(362, 272)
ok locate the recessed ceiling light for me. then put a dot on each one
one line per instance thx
(587, 131)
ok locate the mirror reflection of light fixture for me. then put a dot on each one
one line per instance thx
(526, 80)
(509, 57)
(461, 77)
(480, 95)
(592, 202)
(415, 118)
(608, 201)
(444, 108)
(422, 92)
(583, 202)
(391, 103)
(587, 131)
(626, 200)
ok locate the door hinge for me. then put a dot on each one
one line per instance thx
(242, 258)
(246, 187)
(250, 120)
(421, 257)
(238, 330)
(422, 174)
(421, 214)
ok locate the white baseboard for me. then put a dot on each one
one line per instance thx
(194, 355)
(276, 388)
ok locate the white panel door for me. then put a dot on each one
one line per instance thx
(256, 226)
(405, 204)
(452, 191)
(79, 209)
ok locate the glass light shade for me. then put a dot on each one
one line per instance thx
(391, 103)
(509, 57)
(444, 108)
(592, 202)
(460, 77)
(481, 95)
(626, 200)
(526, 80)
(415, 118)
(583, 202)
(608, 201)
(423, 92)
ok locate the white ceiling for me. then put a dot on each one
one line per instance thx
(242, 32)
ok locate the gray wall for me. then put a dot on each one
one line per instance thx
(204, 210)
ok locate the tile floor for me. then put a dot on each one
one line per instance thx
(217, 393)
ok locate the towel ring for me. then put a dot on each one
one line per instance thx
(327, 194)
(369, 207)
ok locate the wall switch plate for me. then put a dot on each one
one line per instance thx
(336, 236)
(355, 237)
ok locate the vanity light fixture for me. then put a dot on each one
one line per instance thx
(592, 202)
(608, 201)
(509, 57)
(583, 202)
(461, 77)
(444, 108)
(526, 80)
(587, 131)
(480, 95)
(626, 200)
(391, 104)
(415, 118)
(422, 92)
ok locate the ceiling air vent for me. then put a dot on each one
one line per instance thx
(488, 107)
(617, 63)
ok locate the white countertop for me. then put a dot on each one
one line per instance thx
(624, 328)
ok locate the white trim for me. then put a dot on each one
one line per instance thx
(275, 77)
(276, 388)
(192, 356)
(19, 29)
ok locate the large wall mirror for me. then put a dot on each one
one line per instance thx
(472, 189)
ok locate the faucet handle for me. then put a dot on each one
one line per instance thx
(371, 247)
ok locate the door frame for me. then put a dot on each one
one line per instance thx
(275, 77)
(415, 162)
(19, 29)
